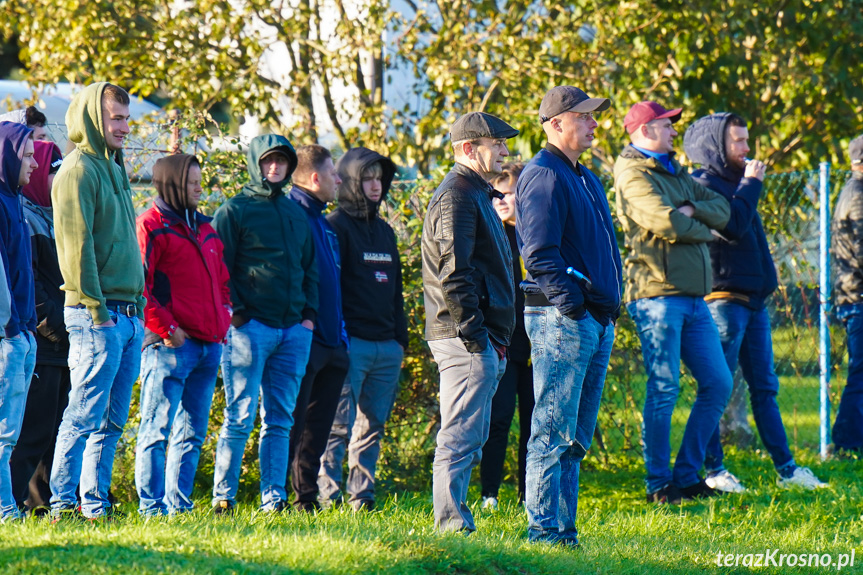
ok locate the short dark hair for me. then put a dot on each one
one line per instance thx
(735, 120)
(509, 173)
(116, 93)
(310, 159)
(33, 117)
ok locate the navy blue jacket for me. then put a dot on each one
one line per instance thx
(563, 220)
(329, 325)
(14, 231)
(741, 263)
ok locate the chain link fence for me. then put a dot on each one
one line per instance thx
(789, 209)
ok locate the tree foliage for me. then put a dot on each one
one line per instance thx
(789, 66)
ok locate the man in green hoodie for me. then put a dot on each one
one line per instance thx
(103, 284)
(270, 255)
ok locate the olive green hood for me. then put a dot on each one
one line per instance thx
(259, 147)
(86, 129)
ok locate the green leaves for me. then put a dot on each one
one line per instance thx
(792, 71)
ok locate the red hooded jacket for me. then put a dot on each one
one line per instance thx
(186, 281)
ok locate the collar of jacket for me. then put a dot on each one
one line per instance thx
(559, 153)
(476, 179)
(857, 175)
(307, 200)
(631, 153)
(171, 216)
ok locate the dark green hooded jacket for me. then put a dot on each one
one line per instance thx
(94, 219)
(269, 250)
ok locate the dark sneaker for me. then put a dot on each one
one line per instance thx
(40, 511)
(307, 506)
(280, 507)
(569, 542)
(223, 507)
(363, 505)
(699, 491)
(668, 494)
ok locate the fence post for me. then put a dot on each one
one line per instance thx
(824, 304)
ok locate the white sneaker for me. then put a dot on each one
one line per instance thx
(724, 481)
(802, 477)
(489, 503)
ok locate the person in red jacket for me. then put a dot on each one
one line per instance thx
(186, 318)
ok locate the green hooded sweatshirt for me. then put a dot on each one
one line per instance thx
(94, 217)
(269, 250)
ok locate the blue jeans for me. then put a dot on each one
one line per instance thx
(745, 337)
(570, 360)
(848, 428)
(467, 384)
(671, 329)
(104, 364)
(367, 398)
(17, 362)
(269, 362)
(176, 393)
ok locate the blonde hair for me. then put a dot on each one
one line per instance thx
(373, 172)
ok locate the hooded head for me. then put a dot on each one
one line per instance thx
(86, 120)
(704, 144)
(48, 157)
(259, 147)
(13, 142)
(351, 166)
(171, 180)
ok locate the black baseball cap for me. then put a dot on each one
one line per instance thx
(855, 150)
(475, 125)
(562, 99)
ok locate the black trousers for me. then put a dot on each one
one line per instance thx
(317, 402)
(516, 380)
(33, 455)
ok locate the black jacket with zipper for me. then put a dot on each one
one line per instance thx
(467, 264)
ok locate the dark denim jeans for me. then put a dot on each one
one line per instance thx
(848, 428)
(177, 386)
(671, 329)
(745, 337)
(570, 360)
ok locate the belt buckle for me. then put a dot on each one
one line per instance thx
(131, 310)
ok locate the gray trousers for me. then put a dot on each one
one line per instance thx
(467, 384)
(364, 406)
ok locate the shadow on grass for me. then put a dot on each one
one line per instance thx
(128, 559)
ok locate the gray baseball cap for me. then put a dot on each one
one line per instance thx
(562, 99)
(855, 150)
(475, 125)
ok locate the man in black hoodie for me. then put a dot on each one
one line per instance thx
(743, 278)
(373, 308)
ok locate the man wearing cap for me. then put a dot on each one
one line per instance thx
(270, 256)
(668, 219)
(848, 258)
(563, 223)
(470, 302)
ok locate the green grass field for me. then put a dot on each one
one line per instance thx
(619, 534)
